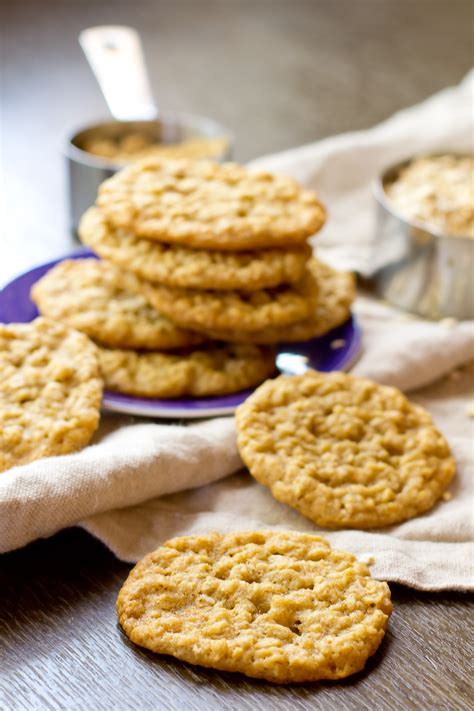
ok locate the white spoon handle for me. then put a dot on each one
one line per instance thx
(116, 57)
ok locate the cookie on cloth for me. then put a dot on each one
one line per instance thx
(281, 606)
(50, 391)
(102, 301)
(176, 265)
(344, 451)
(212, 370)
(202, 310)
(209, 205)
(336, 292)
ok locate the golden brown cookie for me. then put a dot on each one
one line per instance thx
(344, 451)
(336, 292)
(212, 370)
(50, 391)
(242, 310)
(175, 265)
(103, 302)
(281, 606)
(209, 205)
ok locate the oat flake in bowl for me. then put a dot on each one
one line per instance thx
(437, 191)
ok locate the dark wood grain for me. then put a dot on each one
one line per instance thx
(280, 73)
(61, 648)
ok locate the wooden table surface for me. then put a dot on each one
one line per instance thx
(280, 73)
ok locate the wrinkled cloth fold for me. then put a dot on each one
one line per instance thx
(141, 482)
(342, 168)
(127, 463)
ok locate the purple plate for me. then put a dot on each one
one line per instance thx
(337, 350)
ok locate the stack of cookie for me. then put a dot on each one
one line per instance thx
(196, 255)
(217, 249)
(140, 351)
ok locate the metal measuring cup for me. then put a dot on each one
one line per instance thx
(416, 267)
(116, 57)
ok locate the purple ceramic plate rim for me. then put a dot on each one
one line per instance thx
(16, 306)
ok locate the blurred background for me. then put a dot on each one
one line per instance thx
(278, 72)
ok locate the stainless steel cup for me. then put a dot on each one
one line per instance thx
(87, 171)
(415, 267)
(116, 57)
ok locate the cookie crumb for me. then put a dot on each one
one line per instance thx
(447, 496)
(338, 343)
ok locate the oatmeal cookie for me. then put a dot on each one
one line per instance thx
(175, 265)
(210, 205)
(215, 370)
(281, 606)
(50, 391)
(103, 302)
(241, 310)
(336, 292)
(344, 451)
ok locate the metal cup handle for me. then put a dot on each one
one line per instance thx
(116, 57)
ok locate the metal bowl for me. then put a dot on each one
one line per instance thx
(87, 171)
(417, 268)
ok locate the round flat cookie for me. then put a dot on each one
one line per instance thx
(100, 300)
(240, 310)
(215, 370)
(50, 391)
(210, 205)
(175, 265)
(281, 606)
(336, 292)
(344, 451)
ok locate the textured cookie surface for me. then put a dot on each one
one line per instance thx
(96, 297)
(50, 391)
(281, 606)
(176, 265)
(344, 451)
(336, 292)
(210, 205)
(215, 370)
(241, 310)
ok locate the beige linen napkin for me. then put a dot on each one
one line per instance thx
(128, 462)
(342, 168)
(141, 482)
(430, 552)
